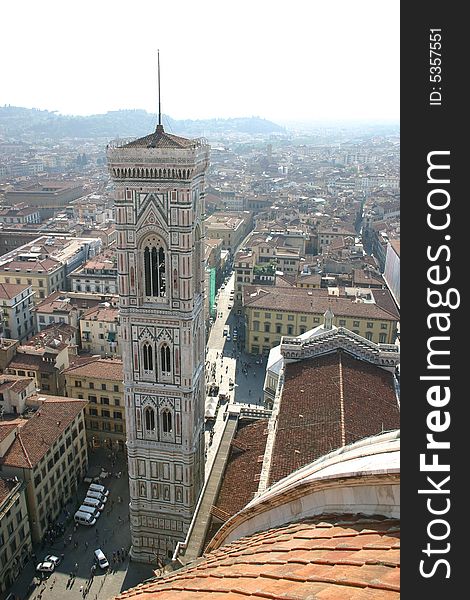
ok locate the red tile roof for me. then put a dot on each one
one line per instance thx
(239, 482)
(38, 434)
(31, 362)
(10, 290)
(5, 429)
(328, 402)
(161, 139)
(310, 301)
(48, 265)
(108, 314)
(103, 368)
(347, 557)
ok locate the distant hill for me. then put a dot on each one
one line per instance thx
(33, 123)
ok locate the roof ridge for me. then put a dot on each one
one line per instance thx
(24, 449)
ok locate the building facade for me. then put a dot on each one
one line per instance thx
(100, 382)
(159, 196)
(48, 453)
(271, 313)
(99, 328)
(17, 301)
(15, 536)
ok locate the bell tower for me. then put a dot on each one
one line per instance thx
(159, 202)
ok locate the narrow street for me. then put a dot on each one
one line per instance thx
(225, 361)
(77, 546)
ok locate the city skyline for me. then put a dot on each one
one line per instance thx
(309, 63)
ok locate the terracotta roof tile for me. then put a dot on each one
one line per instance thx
(10, 290)
(288, 573)
(38, 434)
(102, 368)
(328, 402)
(311, 301)
(239, 483)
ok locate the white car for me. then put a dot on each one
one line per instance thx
(101, 559)
(53, 559)
(45, 567)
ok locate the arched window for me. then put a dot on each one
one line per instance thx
(147, 352)
(165, 358)
(167, 424)
(154, 271)
(149, 419)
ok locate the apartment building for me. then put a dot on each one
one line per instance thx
(16, 302)
(97, 275)
(45, 262)
(231, 228)
(99, 329)
(271, 313)
(48, 452)
(100, 382)
(15, 535)
(14, 392)
(45, 357)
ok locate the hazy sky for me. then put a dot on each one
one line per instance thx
(297, 59)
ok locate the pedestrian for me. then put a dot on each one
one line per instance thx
(86, 545)
(81, 589)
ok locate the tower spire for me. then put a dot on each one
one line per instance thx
(159, 126)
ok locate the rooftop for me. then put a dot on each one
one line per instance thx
(328, 402)
(311, 301)
(103, 368)
(240, 481)
(332, 557)
(10, 290)
(40, 431)
(160, 139)
(6, 487)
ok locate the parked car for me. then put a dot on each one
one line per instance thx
(95, 487)
(84, 518)
(46, 566)
(93, 502)
(98, 495)
(101, 559)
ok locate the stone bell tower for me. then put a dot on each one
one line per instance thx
(159, 201)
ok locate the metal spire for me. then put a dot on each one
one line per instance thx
(159, 126)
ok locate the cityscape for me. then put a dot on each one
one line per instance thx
(199, 353)
(297, 276)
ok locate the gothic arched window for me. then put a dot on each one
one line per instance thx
(149, 419)
(167, 421)
(165, 359)
(147, 352)
(154, 271)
